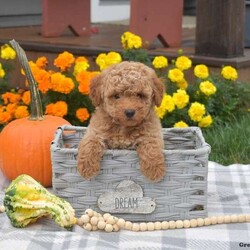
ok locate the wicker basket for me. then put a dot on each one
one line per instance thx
(181, 195)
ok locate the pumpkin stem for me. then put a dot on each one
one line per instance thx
(36, 112)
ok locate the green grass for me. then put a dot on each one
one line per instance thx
(230, 143)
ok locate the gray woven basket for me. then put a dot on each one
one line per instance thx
(181, 195)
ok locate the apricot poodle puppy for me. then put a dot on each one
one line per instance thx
(125, 96)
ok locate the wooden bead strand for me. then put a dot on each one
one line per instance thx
(92, 221)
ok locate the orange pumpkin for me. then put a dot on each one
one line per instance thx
(25, 143)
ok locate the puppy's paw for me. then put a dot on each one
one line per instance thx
(154, 173)
(87, 170)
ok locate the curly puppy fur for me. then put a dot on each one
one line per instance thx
(125, 96)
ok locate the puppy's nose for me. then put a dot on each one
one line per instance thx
(129, 113)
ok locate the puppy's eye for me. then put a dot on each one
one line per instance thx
(140, 95)
(116, 96)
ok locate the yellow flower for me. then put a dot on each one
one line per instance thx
(181, 98)
(80, 66)
(183, 63)
(205, 121)
(175, 75)
(21, 112)
(59, 108)
(167, 105)
(2, 72)
(7, 52)
(160, 62)
(105, 60)
(229, 73)
(201, 71)
(180, 124)
(101, 61)
(131, 41)
(182, 84)
(196, 111)
(82, 114)
(113, 58)
(64, 60)
(207, 88)
(61, 83)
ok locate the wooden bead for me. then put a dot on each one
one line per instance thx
(135, 227)
(207, 221)
(242, 218)
(157, 225)
(101, 224)
(94, 221)
(108, 228)
(2, 209)
(143, 226)
(234, 218)
(96, 214)
(172, 224)
(106, 216)
(94, 228)
(247, 217)
(128, 225)
(121, 222)
(193, 223)
(101, 219)
(179, 224)
(111, 220)
(165, 225)
(87, 226)
(227, 219)
(214, 220)
(116, 228)
(186, 223)
(200, 222)
(220, 219)
(150, 226)
(85, 218)
(79, 222)
(89, 212)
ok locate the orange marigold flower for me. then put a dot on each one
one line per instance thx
(81, 59)
(64, 60)
(9, 97)
(42, 78)
(42, 62)
(59, 108)
(61, 83)
(5, 117)
(82, 114)
(11, 108)
(84, 78)
(21, 112)
(26, 97)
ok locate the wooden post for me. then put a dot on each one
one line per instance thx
(220, 28)
(160, 19)
(57, 15)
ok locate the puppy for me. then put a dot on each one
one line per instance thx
(125, 96)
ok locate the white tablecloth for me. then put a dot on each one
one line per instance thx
(228, 193)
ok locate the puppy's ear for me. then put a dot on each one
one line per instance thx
(158, 90)
(95, 90)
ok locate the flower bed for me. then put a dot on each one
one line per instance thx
(209, 100)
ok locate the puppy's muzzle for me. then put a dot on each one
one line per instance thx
(129, 113)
